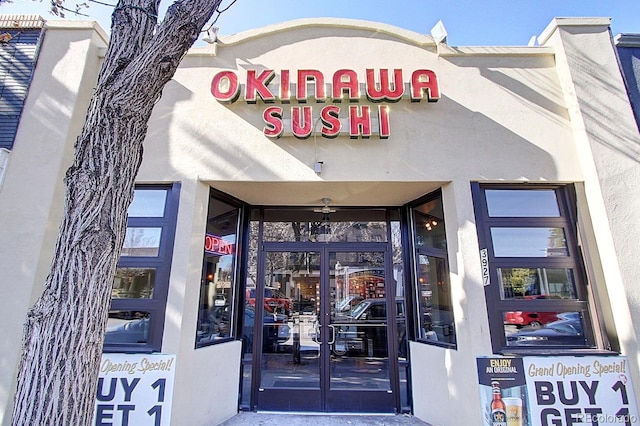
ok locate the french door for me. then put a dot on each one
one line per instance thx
(330, 328)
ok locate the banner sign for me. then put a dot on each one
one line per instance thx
(134, 390)
(556, 391)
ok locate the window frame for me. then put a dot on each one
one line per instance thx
(156, 305)
(236, 313)
(412, 255)
(496, 306)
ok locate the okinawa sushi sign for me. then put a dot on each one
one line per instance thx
(381, 87)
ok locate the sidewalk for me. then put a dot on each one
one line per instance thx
(246, 418)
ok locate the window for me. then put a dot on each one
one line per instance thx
(435, 312)
(535, 288)
(141, 283)
(216, 303)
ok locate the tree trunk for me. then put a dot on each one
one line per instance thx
(64, 330)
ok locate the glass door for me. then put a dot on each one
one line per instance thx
(289, 306)
(326, 338)
(359, 370)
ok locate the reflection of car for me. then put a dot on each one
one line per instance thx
(348, 303)
(364, 329)
(276, 330)
(221, 300)
(214, 323)
(274, 301)
(134, 331)
(532, 319)
(566, 331)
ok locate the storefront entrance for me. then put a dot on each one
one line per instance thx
(330, 321)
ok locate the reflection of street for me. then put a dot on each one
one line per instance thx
(294, 361)
(305, 327)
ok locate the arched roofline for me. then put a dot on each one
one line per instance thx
(400, 33)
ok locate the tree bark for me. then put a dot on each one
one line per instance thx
(64, 330)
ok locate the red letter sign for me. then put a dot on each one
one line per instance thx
(228, 79)
(308, 75)
(272, 117)
(424, 81)
(330, 121)
(351, 85)
(386, 91)
(258, 86)
(301, 122)
(360, 124)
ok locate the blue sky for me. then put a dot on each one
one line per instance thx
(468, 22)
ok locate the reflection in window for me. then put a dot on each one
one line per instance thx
(148, 203)
(436, 322)
(436, 319)
(537, 283)
(141, 242)
(544, 329)
(127, 327)
(522, 203)
(133, 283)
(327, 231)
(529, 242)
(215, 310)
(430, 231)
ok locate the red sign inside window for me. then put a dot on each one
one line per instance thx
(216, 245)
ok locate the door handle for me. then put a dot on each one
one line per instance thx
(316, 333)
(332, 329)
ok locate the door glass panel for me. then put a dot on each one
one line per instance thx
(358, 329)
(290, 311)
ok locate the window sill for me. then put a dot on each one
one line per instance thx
(436, 343)
(128, 349)
(556, 352)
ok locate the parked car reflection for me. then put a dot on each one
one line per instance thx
(275, 328)
(363, 330)
(566, 331)
(531, 319)
(127, 330)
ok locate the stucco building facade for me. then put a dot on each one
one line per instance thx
(298, 176)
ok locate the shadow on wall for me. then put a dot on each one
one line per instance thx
(48, 125)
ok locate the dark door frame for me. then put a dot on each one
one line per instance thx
(327, 399)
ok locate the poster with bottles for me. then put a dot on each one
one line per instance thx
(503, 392)
(556, 391)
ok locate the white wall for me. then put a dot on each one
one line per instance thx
(607, 136)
